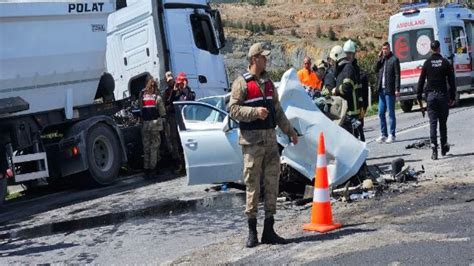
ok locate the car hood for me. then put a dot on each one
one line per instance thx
(345, 154)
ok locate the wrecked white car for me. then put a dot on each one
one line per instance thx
(212, 153)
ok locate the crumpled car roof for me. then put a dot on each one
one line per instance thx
(345, 154)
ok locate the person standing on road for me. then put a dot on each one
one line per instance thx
(388, 84)
(185, 93)
(152, 111)
(254, 103)
(437, 70)
(362, 84)
(346, 87)
(171, 125)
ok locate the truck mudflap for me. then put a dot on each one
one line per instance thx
(346, 154)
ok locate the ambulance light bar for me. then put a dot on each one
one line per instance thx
(412, 7)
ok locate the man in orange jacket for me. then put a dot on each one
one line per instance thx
(308, 77)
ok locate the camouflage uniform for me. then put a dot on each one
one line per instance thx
(259, 146)
(151, 136)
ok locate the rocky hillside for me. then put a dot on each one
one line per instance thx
(298, 28)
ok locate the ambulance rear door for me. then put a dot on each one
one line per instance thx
(469, 25)
(460, 56)
(412, 48)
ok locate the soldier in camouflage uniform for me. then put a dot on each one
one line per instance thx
(153, 112)
(254, 103)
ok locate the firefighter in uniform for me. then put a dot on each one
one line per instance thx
(438, 71)
(254, 103)
(152, 111)
(346, 87)
(362, 84)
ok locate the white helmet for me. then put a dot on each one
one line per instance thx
(337, 53)
(349, 46)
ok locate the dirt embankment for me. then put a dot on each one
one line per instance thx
(301, 28)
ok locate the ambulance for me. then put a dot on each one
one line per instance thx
(410, 34)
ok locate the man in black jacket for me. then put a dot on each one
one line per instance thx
(346, 87)
(388, 85)
(437, 70)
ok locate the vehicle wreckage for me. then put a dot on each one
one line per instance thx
(209, 139)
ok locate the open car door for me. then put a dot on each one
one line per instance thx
(210, 143)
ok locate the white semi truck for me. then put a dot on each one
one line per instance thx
(67, 66)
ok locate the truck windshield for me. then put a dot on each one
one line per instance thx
(412, 45)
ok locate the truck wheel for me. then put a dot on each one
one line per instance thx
(406, 105)
(3, 190)
(103, 155)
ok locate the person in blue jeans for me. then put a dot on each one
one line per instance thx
(388, 84)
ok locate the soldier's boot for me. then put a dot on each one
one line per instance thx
(444, 149)
(252, 240)
(434, 154)
(269, 236)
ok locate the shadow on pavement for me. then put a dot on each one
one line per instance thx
(330, 236)
(24, 207)
(458, 155)
(412, 139)
(33, 250)
(388, 156)
(159, 208)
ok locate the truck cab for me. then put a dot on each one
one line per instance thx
(152, 37)
(411, 32)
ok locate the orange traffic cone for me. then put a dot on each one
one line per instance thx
(321, 213)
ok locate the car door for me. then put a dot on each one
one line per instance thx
(210, 143)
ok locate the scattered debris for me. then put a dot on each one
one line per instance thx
(282, 199)
(364, 195)
(420, 144)
(397, 166)
(408, 174)
(368, 184)
(308, 192)
(225, 186)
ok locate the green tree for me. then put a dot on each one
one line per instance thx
(248, 25)
(256, 28)
(367, 63)
(270, 29)
(263, 27)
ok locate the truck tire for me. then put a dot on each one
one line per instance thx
(406, 105)
(103, 154)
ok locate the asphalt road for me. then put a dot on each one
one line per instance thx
(165, 221)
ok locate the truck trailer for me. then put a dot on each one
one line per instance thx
(67, 68)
